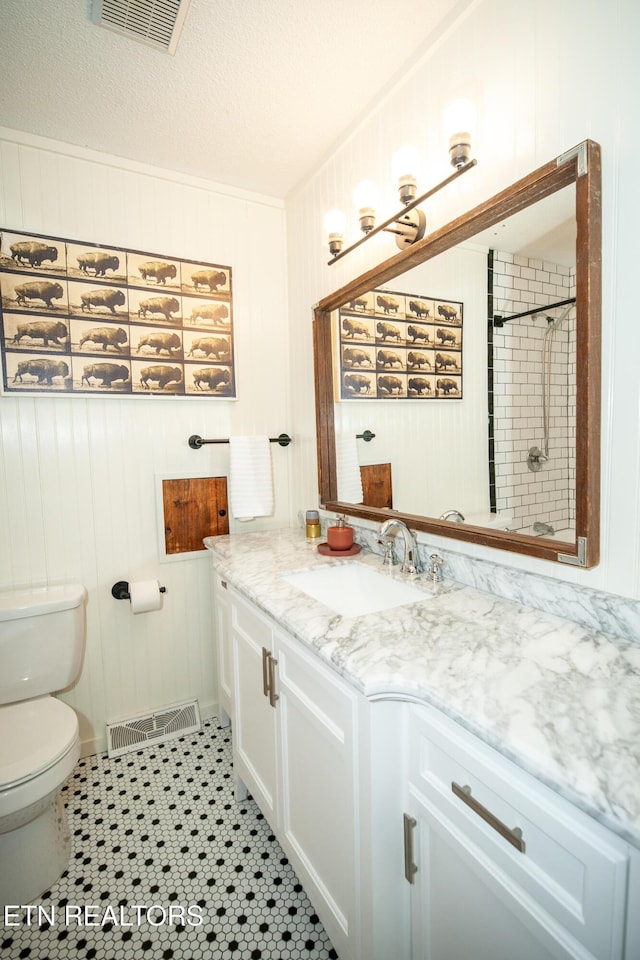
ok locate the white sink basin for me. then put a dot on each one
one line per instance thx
(352, 589)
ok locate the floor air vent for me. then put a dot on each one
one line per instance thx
(128, 736)
(156, 22)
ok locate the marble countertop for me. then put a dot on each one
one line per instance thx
(559, 699)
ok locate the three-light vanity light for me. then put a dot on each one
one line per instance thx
(409, 223)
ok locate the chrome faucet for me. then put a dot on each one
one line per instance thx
(454, 515)
(411, 562)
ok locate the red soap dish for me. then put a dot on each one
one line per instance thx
(327, 551)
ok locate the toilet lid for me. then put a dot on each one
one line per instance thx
(34, 734)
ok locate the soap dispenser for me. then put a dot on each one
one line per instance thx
(340, 536)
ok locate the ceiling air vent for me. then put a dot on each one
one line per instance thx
(155, 22)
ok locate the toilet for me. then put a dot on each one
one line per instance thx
(42, 638)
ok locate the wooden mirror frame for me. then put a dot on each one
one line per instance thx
(579, 166)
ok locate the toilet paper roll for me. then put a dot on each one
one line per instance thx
(145, 596)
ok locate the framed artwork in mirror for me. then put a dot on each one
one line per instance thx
(395, 345)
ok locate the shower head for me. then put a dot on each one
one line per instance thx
(555, 322)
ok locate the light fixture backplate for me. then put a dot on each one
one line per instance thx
(410, 228)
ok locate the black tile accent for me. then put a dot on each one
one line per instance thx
(492, 461)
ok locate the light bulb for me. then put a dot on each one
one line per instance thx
(365, 197)
(404, 166)
(335, 221)
(365, 194)
(405, 161)
(334, 224)
(459, 124)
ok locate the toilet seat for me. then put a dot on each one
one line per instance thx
(34, 736)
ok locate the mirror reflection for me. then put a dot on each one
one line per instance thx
(504, 302)
(502, 452)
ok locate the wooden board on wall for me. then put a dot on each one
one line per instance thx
(193, 509)
(376, 485)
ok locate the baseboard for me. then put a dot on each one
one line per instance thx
(93, 746)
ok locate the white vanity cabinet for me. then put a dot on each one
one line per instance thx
(502, 867)
(224, 661)
(494, 864)
(295, 743)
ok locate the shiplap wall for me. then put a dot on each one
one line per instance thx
(78, 477)
(544, 76)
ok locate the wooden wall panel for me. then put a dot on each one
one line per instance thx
(377, 487)
(194, 509)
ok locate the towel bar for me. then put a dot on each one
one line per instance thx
(195, 442)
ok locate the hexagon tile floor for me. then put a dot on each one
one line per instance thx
(166, 865)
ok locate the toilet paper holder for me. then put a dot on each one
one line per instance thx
(120, 590)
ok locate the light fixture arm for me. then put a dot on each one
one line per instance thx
(397, 218)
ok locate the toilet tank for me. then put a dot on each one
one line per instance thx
(42, 637)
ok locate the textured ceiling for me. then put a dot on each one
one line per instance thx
(256, 95)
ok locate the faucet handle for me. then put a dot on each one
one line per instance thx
(435, 570)
(389, 559)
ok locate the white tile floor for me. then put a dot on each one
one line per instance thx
(166, 864)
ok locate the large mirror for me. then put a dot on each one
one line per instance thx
(474, 359)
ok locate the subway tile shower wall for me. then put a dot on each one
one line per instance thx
(547, 496)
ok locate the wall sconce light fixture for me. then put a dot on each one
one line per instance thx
(408, 224)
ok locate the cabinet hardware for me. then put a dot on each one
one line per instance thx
(514, 837)
(266, 656)
(410, 869)
(273, 696)
(223, 584)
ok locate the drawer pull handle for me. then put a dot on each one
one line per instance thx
(265, 671)
(273, 696)
(514, 837)
(223, 584)
(410, 869)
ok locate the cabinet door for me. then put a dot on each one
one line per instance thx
(460, 908)
(319, 813)
(224, 650)
(521, 861)
(254, 731)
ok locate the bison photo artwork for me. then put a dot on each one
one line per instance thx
(105, 321)
(400, 346)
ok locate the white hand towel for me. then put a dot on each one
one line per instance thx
(348, 469)
(250, 477)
